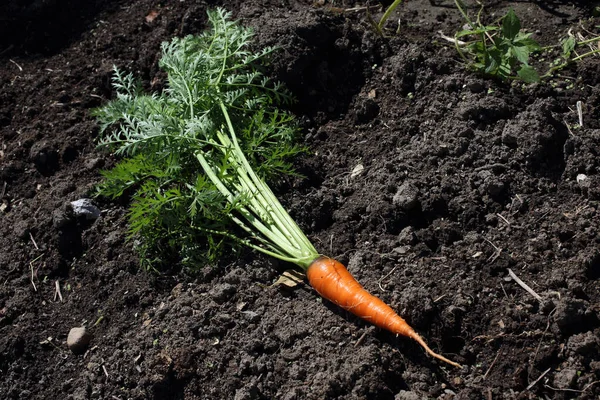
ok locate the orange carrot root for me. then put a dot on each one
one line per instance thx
(332, 281)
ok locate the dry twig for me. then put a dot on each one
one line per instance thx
(33, 241)
(502, 218)
(492, 364)
(524, 285)
(32, 270)
(586, 387)
(57, 292)
(532, 384)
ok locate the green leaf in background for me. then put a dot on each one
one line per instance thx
(524, 39)
(493, 61)
(511, 25)
(521, 53)
(528, 74)
(568, 45)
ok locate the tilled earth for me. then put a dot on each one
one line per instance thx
(430, 182)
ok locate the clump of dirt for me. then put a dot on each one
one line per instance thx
(429, 182)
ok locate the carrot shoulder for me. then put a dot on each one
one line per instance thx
(332, 281)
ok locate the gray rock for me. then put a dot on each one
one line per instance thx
(78, 340)
(583, 180)
(407, 197)
(565, 379)
(85, 208)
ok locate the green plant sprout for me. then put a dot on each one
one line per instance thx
(502, 50)
(570, 48)
(386, 15)
(499, 51)
(196, 155)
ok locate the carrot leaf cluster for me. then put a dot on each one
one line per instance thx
(177, 213)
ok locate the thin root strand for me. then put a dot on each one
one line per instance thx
(432, 353)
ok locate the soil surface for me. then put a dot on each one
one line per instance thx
(430, 182)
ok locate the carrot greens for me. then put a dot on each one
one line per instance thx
(196, 155)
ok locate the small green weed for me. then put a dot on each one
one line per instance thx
(500, 51)
(503, 50)
(386, 15)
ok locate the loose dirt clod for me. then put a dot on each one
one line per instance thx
(78, 340)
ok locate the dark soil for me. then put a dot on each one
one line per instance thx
(464, 178)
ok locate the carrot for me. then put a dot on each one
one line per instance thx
(228, 95)
(332, 281)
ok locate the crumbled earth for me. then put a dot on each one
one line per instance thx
(463, 178)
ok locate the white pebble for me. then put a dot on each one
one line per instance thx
(85, 208)
(78, 339)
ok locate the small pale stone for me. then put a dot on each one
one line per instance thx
(78, 340)
(85, 208)
(583, 180)
(357, 170)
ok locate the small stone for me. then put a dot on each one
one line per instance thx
(583, 181)
(565, 379)
(177, 290)
(85, 208)
(407, 197)
(78, 340)
(357, 170)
